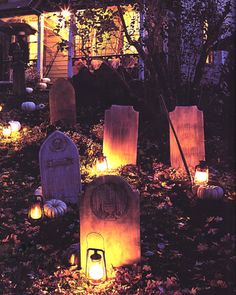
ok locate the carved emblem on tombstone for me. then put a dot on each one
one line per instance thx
(60, 168)
(110, 208)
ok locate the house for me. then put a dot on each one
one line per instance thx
(56, 29)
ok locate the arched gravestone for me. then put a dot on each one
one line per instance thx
(120, 136)
(60, 168)
(110, 208)
(189, 127)
(62, 102)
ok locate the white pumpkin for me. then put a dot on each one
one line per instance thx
(29, 90)
(210, 192)
(40, 106)
(54, 208)
(28, 106)
(46, 80)
(15, 126)
(42, 85)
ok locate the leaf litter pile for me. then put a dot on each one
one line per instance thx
(188, 245)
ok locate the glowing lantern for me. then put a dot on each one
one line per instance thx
(96, 270)
(101, 164)
(6, 132)
(73, 255)
(15, 126)
(201, 174)
(36, 209)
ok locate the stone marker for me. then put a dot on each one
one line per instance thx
(189, 126)
(60, 168)
(110, 208)
(120, 136)
(62, 102)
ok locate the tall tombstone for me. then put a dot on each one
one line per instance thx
(110, 208)
(189, 126)
(62, 102)
(60, 168)
(120, 136)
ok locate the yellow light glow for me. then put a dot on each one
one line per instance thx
(66, 13)
(201, 177)
(96, 271)
(101, 164)
(1, 107)
(73, 259)
(6, 132)
(36, 211)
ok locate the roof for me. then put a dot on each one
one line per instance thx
(23, 7)
(20, 7)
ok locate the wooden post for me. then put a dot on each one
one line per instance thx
(40, 45)
(71, 49)
(142, 34)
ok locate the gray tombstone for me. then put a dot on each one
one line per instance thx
(62, 102)
(110, 208)
(120, 136)
(189, 126)
(60, 168)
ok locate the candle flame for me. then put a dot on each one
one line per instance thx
(72, 259)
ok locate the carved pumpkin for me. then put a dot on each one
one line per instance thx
(28, 106)
(210, 192)
(54, 208)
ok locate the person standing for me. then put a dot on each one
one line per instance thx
(19, 52)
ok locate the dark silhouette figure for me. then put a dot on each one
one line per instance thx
(19, 51)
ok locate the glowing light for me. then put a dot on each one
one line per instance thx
(96, 271)
(36, 211)
(15, 126)
(66, 13)
(1, 108)
(201, 177)
(73, 260)
(201, 174)
(6, 132)
(101, 164)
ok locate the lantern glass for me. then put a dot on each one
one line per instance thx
(101, 164)
(201, 174)
(96, 270)
(96, 266)
(36, 209)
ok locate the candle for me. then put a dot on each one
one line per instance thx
(36, 211)
(6, 132)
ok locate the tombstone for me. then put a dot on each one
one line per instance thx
(110, 208)
(62, 102)
(120, 136)
(189, 127)
(60, 168)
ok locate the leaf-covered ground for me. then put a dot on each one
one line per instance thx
(188, 245)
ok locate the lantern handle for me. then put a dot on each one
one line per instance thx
(98, 234)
